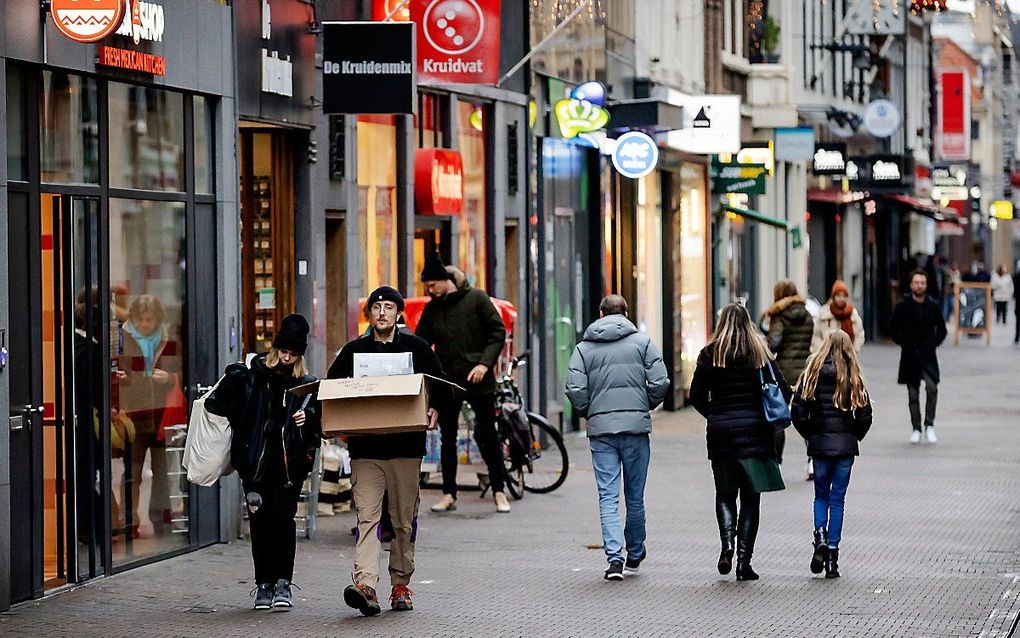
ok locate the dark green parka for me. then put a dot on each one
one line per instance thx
(790, 330)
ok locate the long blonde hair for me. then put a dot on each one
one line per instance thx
(851, 392)
(737, 339)
(273, 360)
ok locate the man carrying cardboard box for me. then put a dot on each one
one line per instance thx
(384, 464)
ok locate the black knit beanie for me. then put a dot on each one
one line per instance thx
(385, 293)
(435, 270)
(293, 334)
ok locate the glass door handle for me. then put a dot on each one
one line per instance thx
(202, 389)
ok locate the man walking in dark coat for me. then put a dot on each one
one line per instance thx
(616, 379)
(386, 464)
(919, 329)
(468, 334)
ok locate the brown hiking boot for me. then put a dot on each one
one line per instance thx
(400, 598)
(362, 598)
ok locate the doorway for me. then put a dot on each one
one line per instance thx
(432, 234)
(336, 283)
(56, 360)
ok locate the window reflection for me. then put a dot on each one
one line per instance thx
(377, 200)
(17, 138)
(146, 138)
(471, 226)
(149, 412)
(203, 145)
(69, 123)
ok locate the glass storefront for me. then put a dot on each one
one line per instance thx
(377, 201)
(648, 235)
(147, 144)
(471, 225)
(693, 265)
(69, 128)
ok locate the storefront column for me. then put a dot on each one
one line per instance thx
(5, 433)
(405, 204)
(495, 218)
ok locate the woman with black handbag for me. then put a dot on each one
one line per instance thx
(832, 411)
(729, 390)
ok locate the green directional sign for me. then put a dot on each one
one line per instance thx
(732, 177)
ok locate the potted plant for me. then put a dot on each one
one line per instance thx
(770, 41)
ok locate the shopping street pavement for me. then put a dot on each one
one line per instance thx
(931, 548)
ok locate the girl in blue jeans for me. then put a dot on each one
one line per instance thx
(832, 411)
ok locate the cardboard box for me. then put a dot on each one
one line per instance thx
(374, 405)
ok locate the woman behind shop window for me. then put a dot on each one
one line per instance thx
(832, 411)
(276, 433)
(727, 391)
(148, 370)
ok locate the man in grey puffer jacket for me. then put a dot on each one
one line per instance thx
(616, 379)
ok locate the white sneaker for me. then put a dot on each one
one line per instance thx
(915, 437)
(445, 504)
(809, 471)
(502, 504)
(929, 434)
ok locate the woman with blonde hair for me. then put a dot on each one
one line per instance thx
(727, 391)
(832, 411)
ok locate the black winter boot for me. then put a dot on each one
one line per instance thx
(726, 514)
(832, 564)
(747, 531)
(821, 551)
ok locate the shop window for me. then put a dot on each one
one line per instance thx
(146, 138)
(17, 134)
(649, 258)
(693, 264)
(148, 256)
(471, 232)
(204, 136)
(429, 121)
(69, 123)
(377, 201)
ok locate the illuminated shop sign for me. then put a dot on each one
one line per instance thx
(131, 60)
(636, 154)
(584, 111)
(368, 67)
(457, 41)
(142, 21)
(87, 22)
(438, 182)
(829, 159)
(277, 69)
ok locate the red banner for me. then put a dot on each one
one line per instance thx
(438, 182)
(457, 41)
(952, 136)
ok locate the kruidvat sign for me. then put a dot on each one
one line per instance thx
(438, 182)
(368, 67)
(458, 41)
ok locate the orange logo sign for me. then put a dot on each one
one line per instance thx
(87, 20)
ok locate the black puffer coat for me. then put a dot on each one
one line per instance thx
(829, 431)
(790, 331)
(245, 397)
(731, 399)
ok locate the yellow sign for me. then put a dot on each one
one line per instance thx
(1002, 209)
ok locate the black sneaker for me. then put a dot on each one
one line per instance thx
(362, 598)
(283, 600)
(633, 564)
(615, 571)
(263, 596)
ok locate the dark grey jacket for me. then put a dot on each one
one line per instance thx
(616, 378)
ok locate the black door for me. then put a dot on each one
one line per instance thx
(55, 370)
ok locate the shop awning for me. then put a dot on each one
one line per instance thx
(645, 113)
(927, 208)
(833, 196)
(756, 216)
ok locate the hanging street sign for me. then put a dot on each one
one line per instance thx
(636, 154)
(733, 177)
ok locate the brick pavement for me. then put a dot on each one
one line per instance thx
(931, 548)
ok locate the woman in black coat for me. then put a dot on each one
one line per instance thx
(276, 433)
(727, 391)
(832, 411)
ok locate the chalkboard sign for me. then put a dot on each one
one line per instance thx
(973, 309)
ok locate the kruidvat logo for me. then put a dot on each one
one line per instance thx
(454, 27)
(87, 20)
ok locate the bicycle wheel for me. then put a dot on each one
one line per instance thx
(514, 479)
(548, 459)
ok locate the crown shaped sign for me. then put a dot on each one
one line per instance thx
(584, 111)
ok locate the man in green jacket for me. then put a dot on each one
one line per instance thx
(468, 334)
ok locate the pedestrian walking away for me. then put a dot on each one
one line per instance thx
(727, 391)
(1016, 303)
(1002, 293)
(275, 437)
(468, 334)
(386, 468)
(918, 328)
(838, 314)
(790, 330)
(832, 411)
(616, 378)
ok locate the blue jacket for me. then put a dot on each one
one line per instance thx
(616, 378)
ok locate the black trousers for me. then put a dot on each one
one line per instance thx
(931, 391)
(273, 530)
(1016, 316)
(486, 437)
(1001, 311)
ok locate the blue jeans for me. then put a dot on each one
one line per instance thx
(613, 455)
(832, 477)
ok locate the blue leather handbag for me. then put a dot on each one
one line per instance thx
(777, 410)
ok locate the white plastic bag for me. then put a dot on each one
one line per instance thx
(207, 448)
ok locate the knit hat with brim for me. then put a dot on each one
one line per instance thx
(293, 335)
(434, 269)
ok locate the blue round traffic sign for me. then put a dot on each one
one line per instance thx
(636, 154)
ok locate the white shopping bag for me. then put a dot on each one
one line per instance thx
(207, 448)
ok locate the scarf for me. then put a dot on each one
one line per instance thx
(845, 317)
(147, 344)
